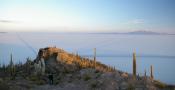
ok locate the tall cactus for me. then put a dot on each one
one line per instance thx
(94, 57)
(145, 73)
(134, 65)
(43, 66)
(4, 67)
(12, 66)
(152, 77)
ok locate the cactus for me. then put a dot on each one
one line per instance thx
(12, 67)
(145, 72)
(94, 57)
(4, 67)
(28, 65)
(152, 77)
(11, 64)
(42, 66)
(134, 65)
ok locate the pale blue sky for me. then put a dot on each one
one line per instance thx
(87, 15)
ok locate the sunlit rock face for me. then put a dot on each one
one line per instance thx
(56, 60)
(48, 52)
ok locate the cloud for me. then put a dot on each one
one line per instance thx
(136, 21)
(6, 21)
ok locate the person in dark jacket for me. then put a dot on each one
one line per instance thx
(50, 78)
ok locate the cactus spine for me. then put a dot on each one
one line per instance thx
(134, 65)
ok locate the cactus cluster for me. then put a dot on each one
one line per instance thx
(135, 67)
(13, 69)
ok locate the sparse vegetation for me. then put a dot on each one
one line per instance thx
(130, 87)
(4, 86)
(40, 82)
(94, 84)
(33, 78)
(159, 84)
(87, 77)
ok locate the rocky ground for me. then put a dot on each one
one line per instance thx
(72, 72)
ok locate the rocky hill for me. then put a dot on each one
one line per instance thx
(71, 72)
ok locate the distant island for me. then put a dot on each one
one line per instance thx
(3, 32)
(140, 32)
(148, 33)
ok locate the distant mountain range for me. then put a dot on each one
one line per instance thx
(125, 33)
(137, 33)
(3, 32)
(148, 33)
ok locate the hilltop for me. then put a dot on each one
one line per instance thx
(70, 72)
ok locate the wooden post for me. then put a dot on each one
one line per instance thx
(94, 57)
(152, 77)
(134, 66)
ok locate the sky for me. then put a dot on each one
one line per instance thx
(87, 15)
